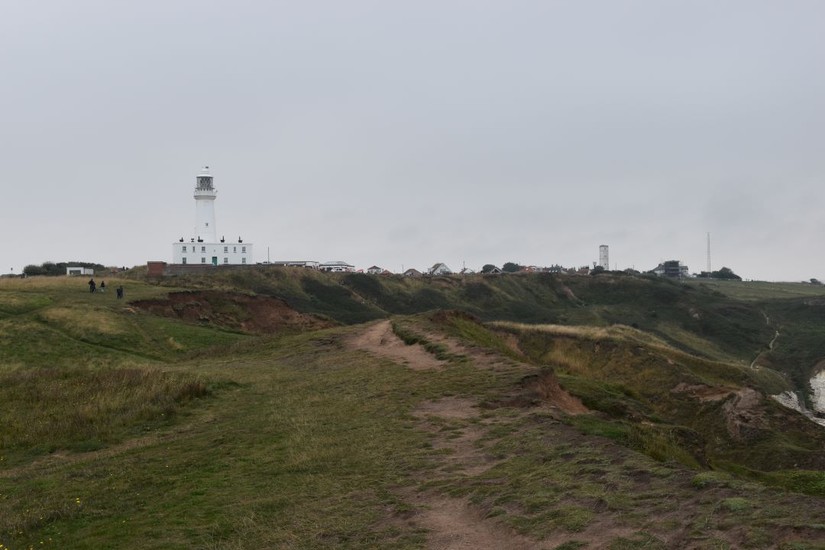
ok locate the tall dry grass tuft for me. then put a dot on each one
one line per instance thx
(192, 390)
(82, 409)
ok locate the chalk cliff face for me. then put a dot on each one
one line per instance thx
(791, 400)
(818, 392)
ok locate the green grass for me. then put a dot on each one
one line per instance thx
(758, 291)
(83, 409)
(70, 326)
(124, 430)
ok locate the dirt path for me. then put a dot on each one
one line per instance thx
(460, 417)
(771, 344)
(455, 525)
(379, 339)
(457, 429)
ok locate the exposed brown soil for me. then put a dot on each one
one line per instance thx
(456, 525)
(232, 310)
(743, 408)
(545, 386)
(465, 455)
(744, 415)
(379, 339)
(703, 392)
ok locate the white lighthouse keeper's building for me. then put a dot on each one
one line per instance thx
(205, 248)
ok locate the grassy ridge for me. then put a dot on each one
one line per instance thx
(648, 303)
(719, 320)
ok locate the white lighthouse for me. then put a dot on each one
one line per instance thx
(205, 194)
(204, 247)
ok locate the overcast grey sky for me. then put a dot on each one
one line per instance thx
(408, 133)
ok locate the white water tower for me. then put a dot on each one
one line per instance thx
(604, 259)
(205, 194)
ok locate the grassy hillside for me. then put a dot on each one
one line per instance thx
(715, 412)
(718, 320)
(127, 429)
(796, 313)
(729, 321)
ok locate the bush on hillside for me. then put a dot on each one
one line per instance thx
(724, 273)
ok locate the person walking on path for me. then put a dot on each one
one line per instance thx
(91, 285)
(102, 286)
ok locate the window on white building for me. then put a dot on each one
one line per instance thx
(225, 249)
(243, 249)
(184, 259)
(184, 249)
(203, 260)
(226, 260)
(203, 249)
(243, 260)
(234, 249)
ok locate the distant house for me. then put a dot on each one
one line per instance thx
(375, 270)
(412, 272)
(673, 269)
(294, 263)
(490, 269)
(336, 267)
(439, 269)
(71, 270)
(467, 271)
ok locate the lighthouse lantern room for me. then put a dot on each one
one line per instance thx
(204, 248)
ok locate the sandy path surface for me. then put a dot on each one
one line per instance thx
(379, 339)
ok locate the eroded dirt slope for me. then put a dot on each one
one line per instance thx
(233, 310)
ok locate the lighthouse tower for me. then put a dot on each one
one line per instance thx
(205, 194)
(204, 248)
